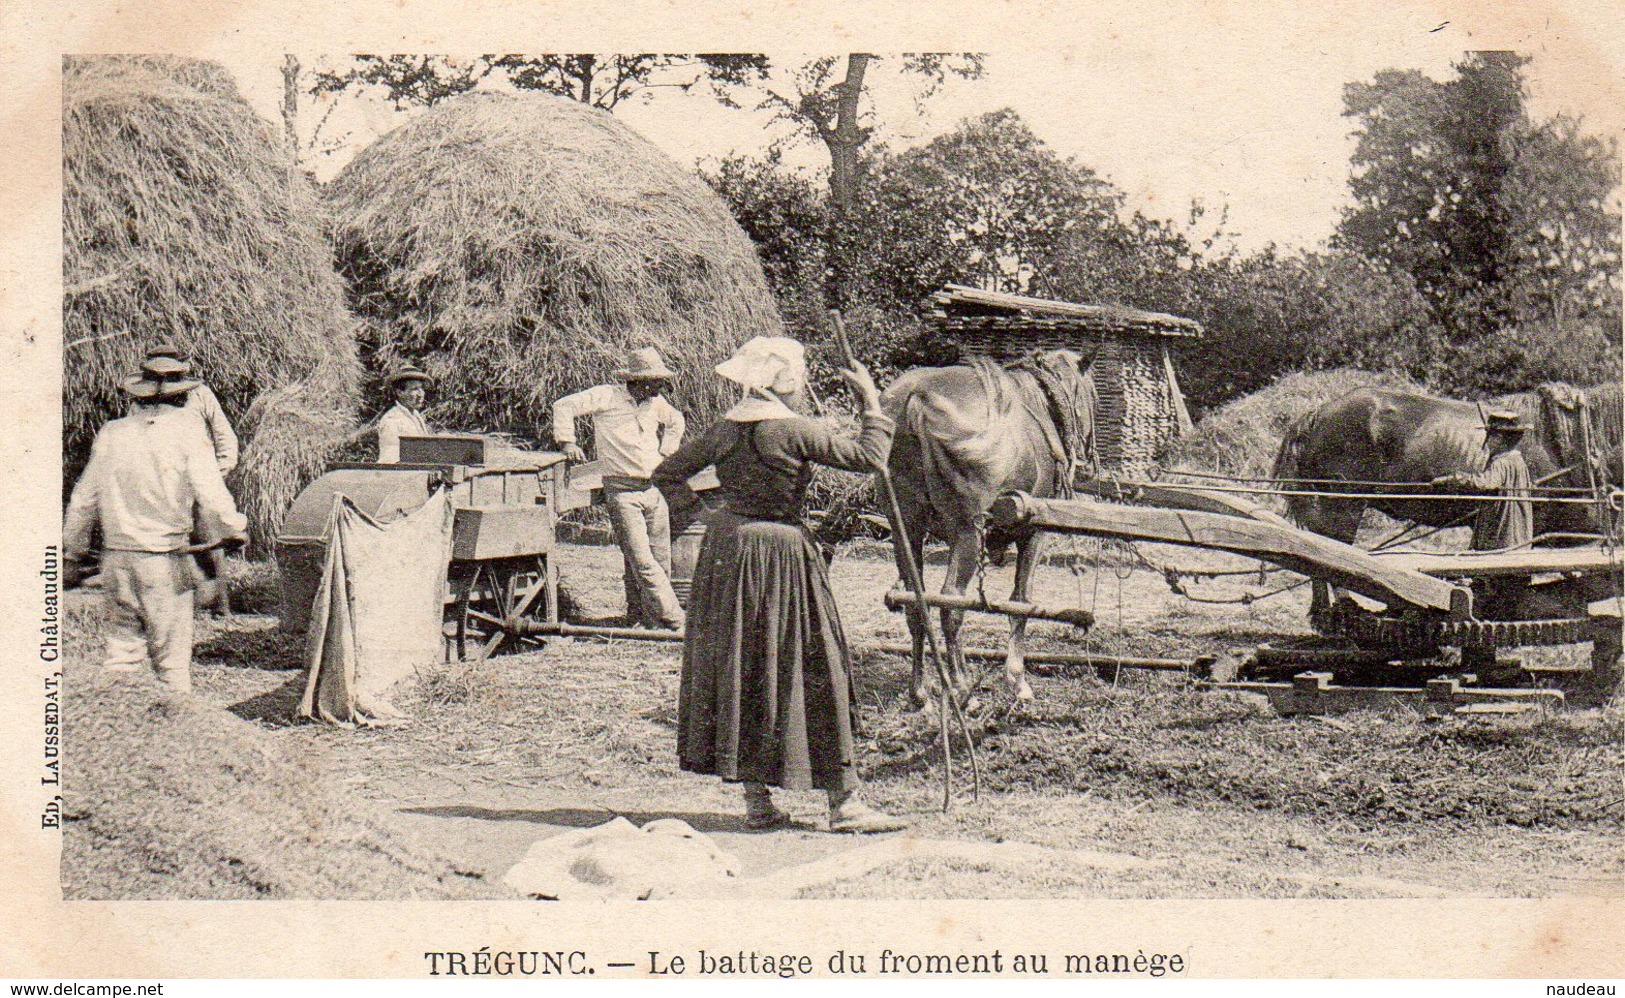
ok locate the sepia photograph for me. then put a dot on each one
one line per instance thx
(1180, 469)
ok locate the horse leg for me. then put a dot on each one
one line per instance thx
(1028, 552)
(961, 566)
(919, 685)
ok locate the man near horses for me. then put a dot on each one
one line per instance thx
(1504, 522)
(1507, 520)
(634, 429)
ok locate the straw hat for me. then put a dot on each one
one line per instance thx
(152, 385)
(409, 372)
(1504, 421)
(164, 348)
(645, 365)
(165, 366)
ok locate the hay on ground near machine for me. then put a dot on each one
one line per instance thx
(502, 582)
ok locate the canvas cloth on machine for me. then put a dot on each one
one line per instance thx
(377, 612)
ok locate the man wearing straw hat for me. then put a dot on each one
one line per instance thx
(1508, 520)
(634, 429)
(405, 417)
(150, 485)
(166, 360)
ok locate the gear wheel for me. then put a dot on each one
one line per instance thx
(1406, 632)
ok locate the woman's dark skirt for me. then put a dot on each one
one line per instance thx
(765, 695)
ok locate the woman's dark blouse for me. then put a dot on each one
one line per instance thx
(765, 467)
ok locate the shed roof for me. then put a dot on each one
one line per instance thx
(957, 303)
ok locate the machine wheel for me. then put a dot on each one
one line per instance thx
(485, 594)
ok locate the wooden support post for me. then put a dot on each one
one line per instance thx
(533, 628)
(1313, 693)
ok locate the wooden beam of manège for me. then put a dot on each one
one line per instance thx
(1298, 550)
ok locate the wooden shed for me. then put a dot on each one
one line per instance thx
(1141, 409)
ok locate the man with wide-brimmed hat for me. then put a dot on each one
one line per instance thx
(168, 361)
(634, 429)
(152, 485)
(1506, 521)
(410, 387)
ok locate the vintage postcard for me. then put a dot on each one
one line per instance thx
(1031, 490)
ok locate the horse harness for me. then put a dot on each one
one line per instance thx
(1062, 427)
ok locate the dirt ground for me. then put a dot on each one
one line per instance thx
(1136, 788)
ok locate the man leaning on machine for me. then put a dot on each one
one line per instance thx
(634, 429)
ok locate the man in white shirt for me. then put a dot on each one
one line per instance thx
(150, 484)
(634, 429)
(405, 417)
(168, 361)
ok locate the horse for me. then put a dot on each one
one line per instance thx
(1398, 441)
(965, 435)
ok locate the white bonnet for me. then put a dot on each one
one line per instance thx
(777, 363)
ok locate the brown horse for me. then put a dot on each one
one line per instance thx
(965, 435)
(1401, 440)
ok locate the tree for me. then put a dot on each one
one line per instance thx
(603, 81)
(1498, 221)
(829, 108)
(786, 215)
(987, 204)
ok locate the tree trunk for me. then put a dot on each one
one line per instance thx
(588, 69)
(290, 104)
(843, 141)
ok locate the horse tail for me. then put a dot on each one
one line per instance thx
(936, 471)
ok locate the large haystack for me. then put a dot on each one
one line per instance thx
(517, 245)
(183, 221)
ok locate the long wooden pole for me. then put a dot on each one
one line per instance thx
(916, 583)
(1305, 553)
(1010, 608)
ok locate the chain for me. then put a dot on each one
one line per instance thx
(1176, 578)
(980, 523)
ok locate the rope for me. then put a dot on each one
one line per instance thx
(1216, 476)
(1464, 497)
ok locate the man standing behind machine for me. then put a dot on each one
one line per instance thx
(634, 429)
(1505, 520)
(410, 387)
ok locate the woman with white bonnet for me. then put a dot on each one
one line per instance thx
(766, 699)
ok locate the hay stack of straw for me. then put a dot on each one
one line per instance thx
(517, 246)
(206, 805)
(183, 220)
(1242, 436)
